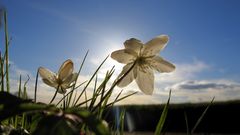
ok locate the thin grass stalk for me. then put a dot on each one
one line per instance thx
(94, 93)
(84, 102)
(186, 120)
(74, 98)
(20, 86)
(163, 117)
(2, 72)
(23, 122)
(104, 85)
(6, 49)
(101, 88)
(85, 93)
(90, 80)
(79, 71)
(117, 100)
(121, 122)
(35, 90)
(66, 100)
(201, 117)
(108, 76)
(102, 107)
(16, 121)
(25, 88)
(95, 84)
(54, 96)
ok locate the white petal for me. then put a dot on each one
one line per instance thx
(128, 78)
(48, 77)
(155, 45)
(70, 79)
(145, 80)
(65, 70)
(124, 56)
(133, 44)
(160, 64)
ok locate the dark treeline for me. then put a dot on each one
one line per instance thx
(221, 117)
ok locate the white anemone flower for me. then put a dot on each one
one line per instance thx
(62, 80)
(146, 58)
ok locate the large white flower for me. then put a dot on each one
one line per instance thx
(146, 58)
(62, 80)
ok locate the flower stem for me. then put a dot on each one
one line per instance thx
(35, 91)
(6, 53)
(55, 94)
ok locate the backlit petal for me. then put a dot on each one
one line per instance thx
(128, 78)
(145, 81)
(65, 70)
(70, 79)
(155, 45)
(124, 56)
(50, 83)
(133, 44)
(160, 64)
(48, 77)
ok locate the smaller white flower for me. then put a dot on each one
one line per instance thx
(146, 58)
(62, 80)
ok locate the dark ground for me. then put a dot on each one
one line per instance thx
(221, 117)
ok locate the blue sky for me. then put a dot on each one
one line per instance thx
(204, 38)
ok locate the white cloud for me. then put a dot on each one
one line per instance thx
(204, 90)
(184, 82)
(182, 72)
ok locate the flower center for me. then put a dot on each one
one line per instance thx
(59, 81)
(142, 63)
(141, 60)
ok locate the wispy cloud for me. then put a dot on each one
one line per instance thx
(184, 71)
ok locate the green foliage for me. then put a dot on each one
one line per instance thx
(54, 124)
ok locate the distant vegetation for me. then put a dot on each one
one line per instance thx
(221, 117)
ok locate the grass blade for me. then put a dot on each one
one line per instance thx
(201, 117)
(35, 91)
(2, 72)
(6, 53)
(20, 87)
(163, 117)
(186, 120)
(79, 71)
(121, 122)
(90, 80)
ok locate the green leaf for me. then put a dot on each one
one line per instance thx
(56, 125)
(11, 105)
(163, 117)
(93, 123)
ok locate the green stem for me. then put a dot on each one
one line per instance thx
(6, 47)
(2, 72)
(35, 91)
(55, 94)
